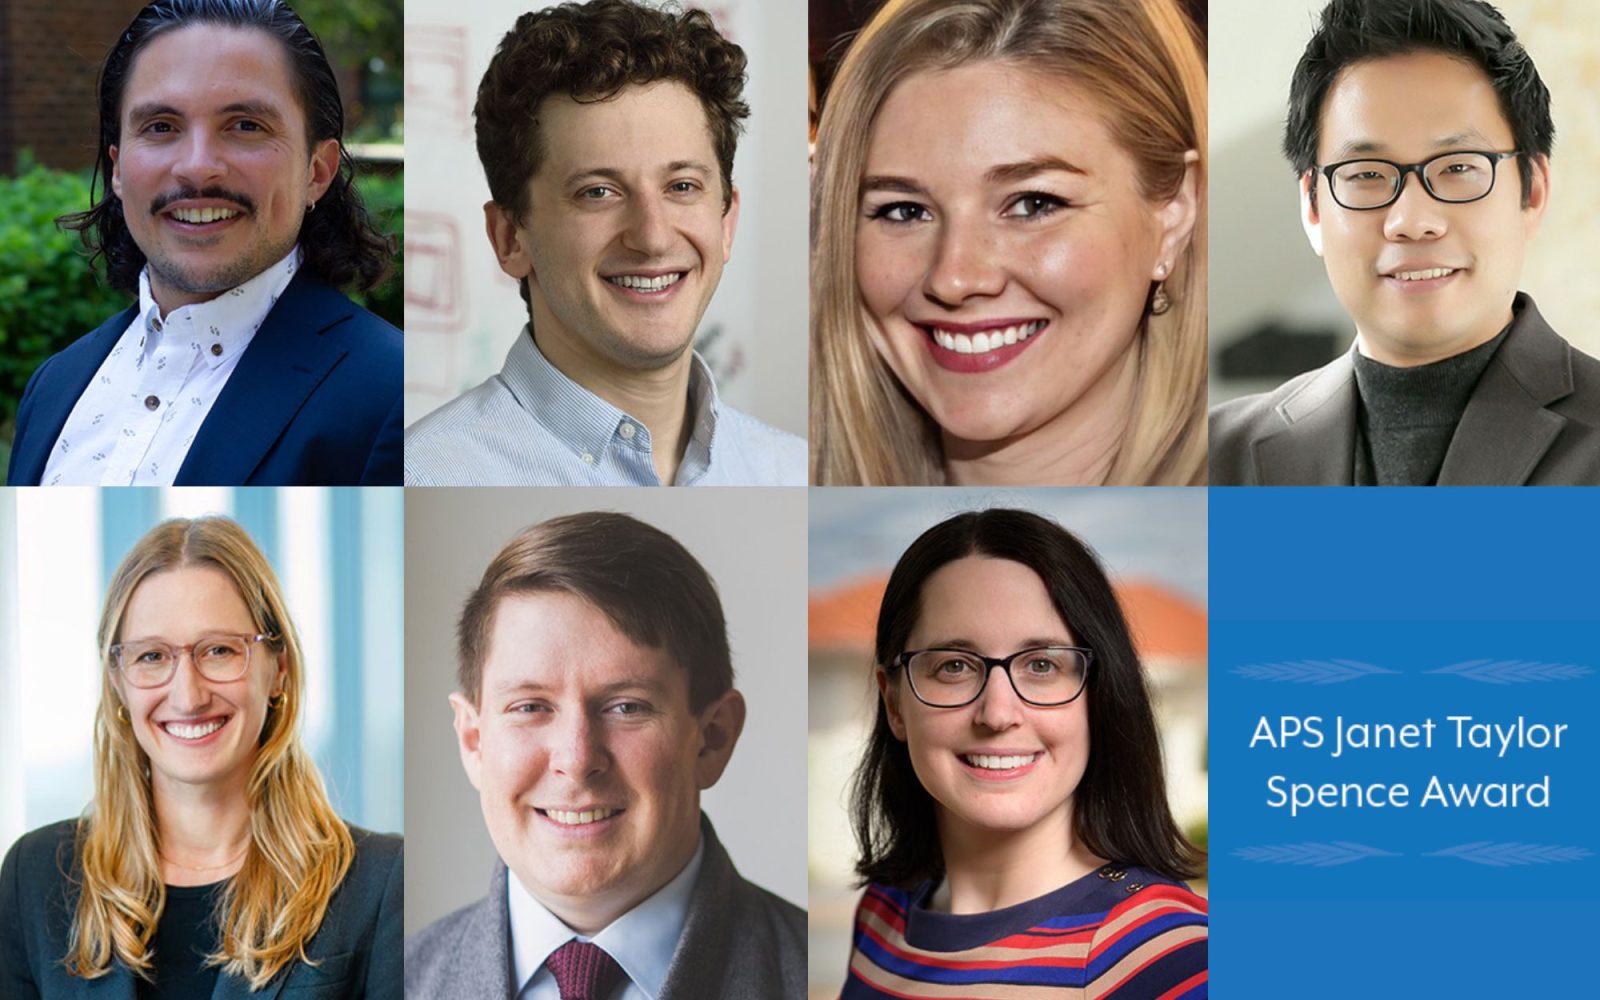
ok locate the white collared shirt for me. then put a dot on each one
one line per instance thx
(642, 940)
(135, 422)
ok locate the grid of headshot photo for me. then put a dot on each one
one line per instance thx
(358, 643)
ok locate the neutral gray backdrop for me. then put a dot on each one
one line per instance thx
(751, 541)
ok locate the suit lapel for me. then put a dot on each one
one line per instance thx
(700, 964)
(1316, 444)
(116, 984)
(1506, 429)
(54, 397)
(480, 963)
(288, 357)
(237, 988)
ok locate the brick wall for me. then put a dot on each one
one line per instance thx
(50, 53)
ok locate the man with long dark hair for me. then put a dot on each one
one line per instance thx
(227, 206)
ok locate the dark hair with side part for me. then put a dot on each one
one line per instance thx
(652, 589)
(590, 52)
(339, 241)
(1353, 31)
(1120, 809)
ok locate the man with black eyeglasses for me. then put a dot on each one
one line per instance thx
(1421, 134)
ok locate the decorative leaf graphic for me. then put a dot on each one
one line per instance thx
(1514, 671)
(1310, 671)
(1486, 852)
(1318, 855)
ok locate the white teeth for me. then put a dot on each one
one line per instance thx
(992, 763)
(202, 215)
(1432, 272)
(640, 283)
(184, 732)
(983, 343)
(579, 818)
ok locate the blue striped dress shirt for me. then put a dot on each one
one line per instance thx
(530, 425)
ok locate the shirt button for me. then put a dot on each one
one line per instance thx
(155, 323)
(216, 349)
(151, 402)
(588, 459)
(626, 430)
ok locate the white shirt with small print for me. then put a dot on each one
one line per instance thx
(135, 423)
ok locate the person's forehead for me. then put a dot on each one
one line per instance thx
(641, 127)
(203, 68)
(1411, 105)
(556, 638)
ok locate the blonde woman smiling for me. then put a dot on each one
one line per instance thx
(210, 863)
(1008, 268)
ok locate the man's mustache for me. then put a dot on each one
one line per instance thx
(213, 193)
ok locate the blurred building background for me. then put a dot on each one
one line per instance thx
(463, 312)
(337, 553)
(1152, 543)
(1273, 314)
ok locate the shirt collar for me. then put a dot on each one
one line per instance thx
(587, 424)
(642, 940)
(221, 327)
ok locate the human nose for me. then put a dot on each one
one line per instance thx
(999, 707)
(965, 264)
(200, 160)
(649, 230)
(1415, 214)
(187, 690)
(577, 748)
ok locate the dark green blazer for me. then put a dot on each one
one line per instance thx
(357, 949)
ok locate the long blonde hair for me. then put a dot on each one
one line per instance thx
(299, 849)
(1140, 61)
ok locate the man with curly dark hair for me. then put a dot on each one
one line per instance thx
(607, 133)
(227, 206)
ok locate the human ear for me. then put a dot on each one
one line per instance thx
(890, 692)
(506, 238)
(1538, 168)
(324, 168)
(1310, 218)
(1177, 217)
(116, 170)
(468, 735)
(730, 221)
(720, 724)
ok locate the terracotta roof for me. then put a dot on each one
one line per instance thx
(1164, 623)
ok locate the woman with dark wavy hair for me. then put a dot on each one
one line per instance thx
(210, 863)
(1010, 808)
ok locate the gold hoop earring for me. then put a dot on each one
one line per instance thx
(278, 700)
(1160, 302)
(122, 714)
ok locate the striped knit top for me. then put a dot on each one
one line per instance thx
(1121, 933)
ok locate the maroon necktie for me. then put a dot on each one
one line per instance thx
(583, 971)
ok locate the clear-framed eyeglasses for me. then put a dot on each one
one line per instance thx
(150, 663)
(1453, 178)
(1044, 676)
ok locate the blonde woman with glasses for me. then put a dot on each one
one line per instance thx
(210, 863)
(1008, 261)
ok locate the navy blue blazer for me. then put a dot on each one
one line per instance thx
(315, 400)
(356, 950)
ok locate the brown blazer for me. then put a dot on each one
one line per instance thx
(1533, 420)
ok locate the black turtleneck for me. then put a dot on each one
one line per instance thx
(1408, 415)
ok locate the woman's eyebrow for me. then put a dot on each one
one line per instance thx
(902, 185)
(1007, 172)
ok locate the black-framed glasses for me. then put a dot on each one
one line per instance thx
(149, 663)
(950, 678)
(1453, 178)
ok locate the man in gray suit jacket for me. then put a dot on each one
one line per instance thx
(596, 702)
(1455, 378)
